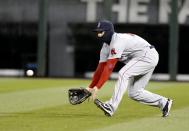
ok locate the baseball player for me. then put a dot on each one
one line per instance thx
(140, 59)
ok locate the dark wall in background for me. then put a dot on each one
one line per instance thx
(18, 44)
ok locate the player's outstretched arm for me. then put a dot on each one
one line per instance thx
(106, 72)
(108, 68)
(97, 75)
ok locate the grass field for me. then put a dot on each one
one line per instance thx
(42, 105)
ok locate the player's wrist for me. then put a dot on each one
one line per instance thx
(96, 88)
(89, 89)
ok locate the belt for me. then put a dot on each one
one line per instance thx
(151, 47)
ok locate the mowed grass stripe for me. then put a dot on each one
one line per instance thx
(28, 100)
(15, 84)
(22, 100)
(177, 121)
(34, 99)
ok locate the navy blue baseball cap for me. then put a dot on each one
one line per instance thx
(104, 25)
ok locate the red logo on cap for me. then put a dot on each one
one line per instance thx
(113, 52)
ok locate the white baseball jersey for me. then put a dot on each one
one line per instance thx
(124, 46)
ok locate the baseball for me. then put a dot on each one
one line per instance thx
(29, 72)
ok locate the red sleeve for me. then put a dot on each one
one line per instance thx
(106, 72)
(97, 74)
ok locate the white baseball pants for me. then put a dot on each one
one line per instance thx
(135, 75)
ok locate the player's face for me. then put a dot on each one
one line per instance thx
(100, 34)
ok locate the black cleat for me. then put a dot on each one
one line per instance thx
(104, 107)
(167, 108)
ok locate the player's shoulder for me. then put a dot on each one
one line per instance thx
(118, 40)
(118, 36)
(129, 37)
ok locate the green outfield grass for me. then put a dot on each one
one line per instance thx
(42, 105)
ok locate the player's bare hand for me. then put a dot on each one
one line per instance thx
(94, 92)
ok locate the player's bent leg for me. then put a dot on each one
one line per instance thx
(119, 90)
(136, 92)
(123, 82)
(147, 97)
(152, 99)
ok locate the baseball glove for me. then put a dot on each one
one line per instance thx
(77, 96)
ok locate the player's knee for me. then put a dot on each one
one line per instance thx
(131, 95)
(135, 95)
